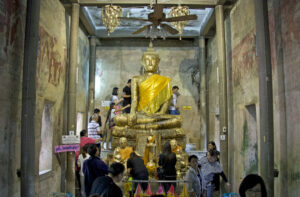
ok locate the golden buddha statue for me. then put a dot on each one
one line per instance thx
(122, 152)
(174, 146)
(150, 96)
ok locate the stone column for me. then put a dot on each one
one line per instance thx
(70, 175)
(222, 87)
(203, 91)
(29, 99)
(92, 68)
(266, 150)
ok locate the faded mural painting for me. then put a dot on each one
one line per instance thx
(50, 56)
(12, 13)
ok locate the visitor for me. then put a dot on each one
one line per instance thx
(94, 128)
(97, 111)
(167, 161)
(109, 124)
(93, 167)
(106, 185)
(115, 99)
(193, 177)
(82, 157)
(137, 169)
(127, 96)
(173, 108)
(253, 185)
(212, 146)
(209, 168)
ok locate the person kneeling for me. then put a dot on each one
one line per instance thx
(106, 186)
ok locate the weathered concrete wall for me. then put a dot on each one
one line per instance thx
(284, 24)
(12, 28)
(213, 91)
(242, 88)
(243, 92)
(83, 80)
(115, 65)
(51, 71)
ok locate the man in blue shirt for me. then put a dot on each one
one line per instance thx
(93, 168)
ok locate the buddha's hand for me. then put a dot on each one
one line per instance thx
(131, 119)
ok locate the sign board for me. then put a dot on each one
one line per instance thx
(187, 107)
(222, 137)
(70, 139)
(105, 103)
(67, 148)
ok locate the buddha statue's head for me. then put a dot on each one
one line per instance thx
(123, 142)
(173, 144)
(150, 60)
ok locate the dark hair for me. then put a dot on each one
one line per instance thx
(83, 132)
(175, 87)
(249, 182)
(94, 195)
(96, 110)
(132, 154)
(212, 153)
(111, 106)
(115, 91)
(129, 81)
(92, 149)
(84, 150)
(167, 148)
(116, 168)
(214, 144)
(192, 157)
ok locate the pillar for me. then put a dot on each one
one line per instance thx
(70, 175)
(203, 93)
(29, 99)
(266, 151)
(222, 87)
(91, 96)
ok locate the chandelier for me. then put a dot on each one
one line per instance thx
(179, 11)
(110, 17)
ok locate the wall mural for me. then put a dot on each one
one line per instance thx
(12, 13)
(50, 56)
(244, 61)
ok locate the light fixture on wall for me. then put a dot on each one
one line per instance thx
(110, 17)
(176, 12)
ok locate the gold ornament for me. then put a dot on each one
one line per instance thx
(176, 12)
(110, 17)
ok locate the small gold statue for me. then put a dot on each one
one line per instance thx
(122, 153)
(149, 156)
(150, 96)
(174, 146)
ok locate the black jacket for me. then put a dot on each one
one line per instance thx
(168, 163)
(105, 187)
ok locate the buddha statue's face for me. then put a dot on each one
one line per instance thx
(123, 142)
(173, 144)
(150, 62)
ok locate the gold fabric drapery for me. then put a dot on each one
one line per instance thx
(153, 92)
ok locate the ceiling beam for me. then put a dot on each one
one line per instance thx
(208, 24)
(134, 3)
(89, 28)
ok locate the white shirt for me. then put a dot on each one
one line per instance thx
(173, 103)
(80, 162)
(115, 99)
(93, 129)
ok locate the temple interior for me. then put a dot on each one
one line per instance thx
(234, 63)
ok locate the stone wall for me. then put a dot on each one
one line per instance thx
(284, 25)
(12, 28)
(243, 92)
(115, 65)
(82, 80)
(51, 78)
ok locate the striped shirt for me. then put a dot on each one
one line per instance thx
(93, 129)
